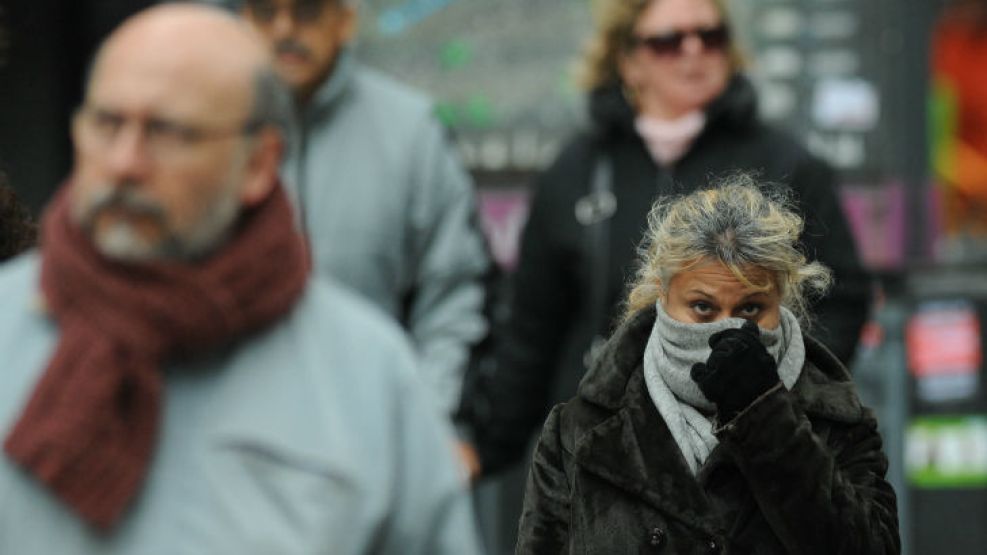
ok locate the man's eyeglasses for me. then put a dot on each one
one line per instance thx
(163, 138)
(670, 44)
(301, 11)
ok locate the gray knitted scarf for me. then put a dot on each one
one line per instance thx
(668, 358)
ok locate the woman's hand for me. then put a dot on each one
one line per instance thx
(738, 371)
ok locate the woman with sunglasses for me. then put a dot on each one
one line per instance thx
(669, 107)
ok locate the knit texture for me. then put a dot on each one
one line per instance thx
(673, 347)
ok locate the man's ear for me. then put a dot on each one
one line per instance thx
(262, 166)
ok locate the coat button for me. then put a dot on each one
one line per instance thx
(656, 538)
(714, 546)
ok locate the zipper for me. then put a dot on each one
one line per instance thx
(301, 176)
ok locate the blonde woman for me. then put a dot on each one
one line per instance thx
(711, 423)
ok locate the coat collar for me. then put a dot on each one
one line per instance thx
(628, 445)
(336, 84)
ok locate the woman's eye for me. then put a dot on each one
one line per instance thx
(702, 308)
(750, 310)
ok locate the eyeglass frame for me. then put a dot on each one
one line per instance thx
(669, 44)
(301, 11)
(176, 134)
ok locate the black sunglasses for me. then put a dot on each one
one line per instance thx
(302, 11)
(670, 44)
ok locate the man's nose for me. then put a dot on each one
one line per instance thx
(127, 155)
(283, 24)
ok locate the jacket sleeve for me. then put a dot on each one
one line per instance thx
(444, 307)
(821, 494)
(840, 316)
(511, 402)
(544, 525)
(431, 511)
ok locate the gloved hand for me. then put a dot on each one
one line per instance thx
(738, 371)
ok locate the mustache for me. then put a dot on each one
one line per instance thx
(123, 197)
(292, 46)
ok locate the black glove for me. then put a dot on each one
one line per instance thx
(738, 371)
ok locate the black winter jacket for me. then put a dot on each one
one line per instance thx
(552, 323)
(798, 472)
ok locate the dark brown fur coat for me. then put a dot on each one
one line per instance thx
(799, 472)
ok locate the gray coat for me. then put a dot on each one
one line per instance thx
(390, 213)
(312, 437)
(799, 472)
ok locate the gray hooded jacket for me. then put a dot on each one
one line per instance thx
(391, 214)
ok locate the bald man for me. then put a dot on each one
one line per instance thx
(173, 382)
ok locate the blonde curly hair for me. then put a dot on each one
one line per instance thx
(740, 223)
(614, 29)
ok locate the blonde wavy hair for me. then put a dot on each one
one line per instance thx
(613, 34)
(744, 225)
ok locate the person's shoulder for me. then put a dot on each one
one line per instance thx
(770, 137)
(331, 342)
(18, 280)
(388, 93)
(777, 154)
(333, 306)
(401, 119)
(825, 388)
(572, 420)
(26, 333)
(783, 147)
(823, 359)
(568, 172)
(583, 144)
(20, 265)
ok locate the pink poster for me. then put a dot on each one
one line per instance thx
(877, 219)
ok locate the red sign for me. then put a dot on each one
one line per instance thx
(944, 339)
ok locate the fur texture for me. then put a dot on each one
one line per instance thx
(798, 472)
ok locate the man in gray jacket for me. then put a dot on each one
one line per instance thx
(387, 207)
(172, 381)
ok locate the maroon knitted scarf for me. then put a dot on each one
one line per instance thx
(90, 427)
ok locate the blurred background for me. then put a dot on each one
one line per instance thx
(892, 92)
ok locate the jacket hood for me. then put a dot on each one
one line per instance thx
(610, 111)
(824, 388)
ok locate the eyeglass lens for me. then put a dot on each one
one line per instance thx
(665, 44)
(302, 11)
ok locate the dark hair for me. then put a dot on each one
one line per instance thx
(17, 229)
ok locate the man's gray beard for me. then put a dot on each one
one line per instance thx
(121, 241)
